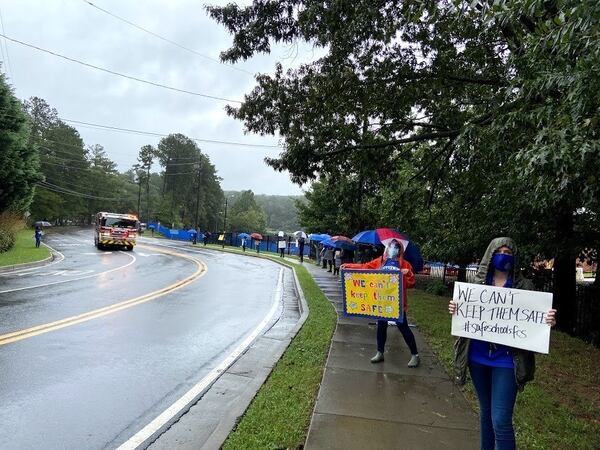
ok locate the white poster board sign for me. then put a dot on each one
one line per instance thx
(507, 316)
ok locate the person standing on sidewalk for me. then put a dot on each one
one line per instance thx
(498, 371)
(301, 242)
(337, 261)
(393, 259)
(328, 258)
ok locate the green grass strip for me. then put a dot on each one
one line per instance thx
(560, 409)
(24, 250)
(279, 415)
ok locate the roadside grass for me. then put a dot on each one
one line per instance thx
(24, 250)
(560, 409)
(279, 415)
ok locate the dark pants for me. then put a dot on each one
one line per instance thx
(407, 334)
(38, 241)
(324, 263)
(282, 252)
(301, 253)
(497, 391)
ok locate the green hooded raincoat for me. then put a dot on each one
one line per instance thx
(524, 360)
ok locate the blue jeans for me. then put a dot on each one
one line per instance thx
(497, 391)
(407, 334)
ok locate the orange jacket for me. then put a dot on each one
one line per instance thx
(375, 264)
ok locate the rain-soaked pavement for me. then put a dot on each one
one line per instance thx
(93, 383)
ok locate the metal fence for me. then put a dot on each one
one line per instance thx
(269, 243)
(586, 303)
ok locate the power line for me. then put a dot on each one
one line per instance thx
(8, 64)
(150, 133)
(60, 190)
(112, 72)
(166, 39)
(86, 169)
(72, 186)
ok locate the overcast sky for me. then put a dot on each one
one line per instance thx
(75, 29)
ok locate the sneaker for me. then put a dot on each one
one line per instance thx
(377, 358)
(414, 361)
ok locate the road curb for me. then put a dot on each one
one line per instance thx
(54, 255)
(232, 417)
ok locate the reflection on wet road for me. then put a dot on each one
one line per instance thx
(95, 383)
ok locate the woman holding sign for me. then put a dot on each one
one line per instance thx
(393, 259)
(497, 371)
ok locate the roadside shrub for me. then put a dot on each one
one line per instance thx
(437, 288)
(10, 224)
(433, 285)
(7, 240)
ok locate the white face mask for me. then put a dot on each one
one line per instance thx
(393, 251)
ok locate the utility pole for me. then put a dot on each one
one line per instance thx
(139, 179)
(148, 194)
(198, 193)
(224, 222)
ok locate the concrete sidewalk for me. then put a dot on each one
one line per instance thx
(387, 405)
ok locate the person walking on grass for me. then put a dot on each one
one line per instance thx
(393, 259)
(498, 371)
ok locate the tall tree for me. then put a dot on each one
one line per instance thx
(19, 163)
(471, 100)
(246, 214)
(190, 183)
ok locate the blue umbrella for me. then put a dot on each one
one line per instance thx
(315, 237)
(192, 231)
(244, 236)
(367, 237)
(341, 244)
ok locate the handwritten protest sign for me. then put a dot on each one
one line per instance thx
(512, 317)
(376, 294)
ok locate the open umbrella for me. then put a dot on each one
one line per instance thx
(256, 236)
(344, 244)
(42, 223)
(386, 235)
(316, 237)
(281, 234)
(367, 237)
(192, 231)
(383, 236)
(341, 238)
(300, 234)
(244, 236)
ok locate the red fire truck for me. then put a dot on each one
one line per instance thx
(115, 230)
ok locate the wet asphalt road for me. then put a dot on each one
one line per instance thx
(93, 385)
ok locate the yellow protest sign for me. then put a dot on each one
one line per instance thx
(376, 294)
(221, 237)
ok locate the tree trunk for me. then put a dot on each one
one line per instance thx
(564, 283)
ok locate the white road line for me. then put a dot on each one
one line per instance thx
(133, 259)
(151, 431)
(45, 266)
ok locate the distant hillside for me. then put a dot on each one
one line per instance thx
(280, 211)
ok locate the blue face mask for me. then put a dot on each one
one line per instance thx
(393, 252)
(503, 262)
